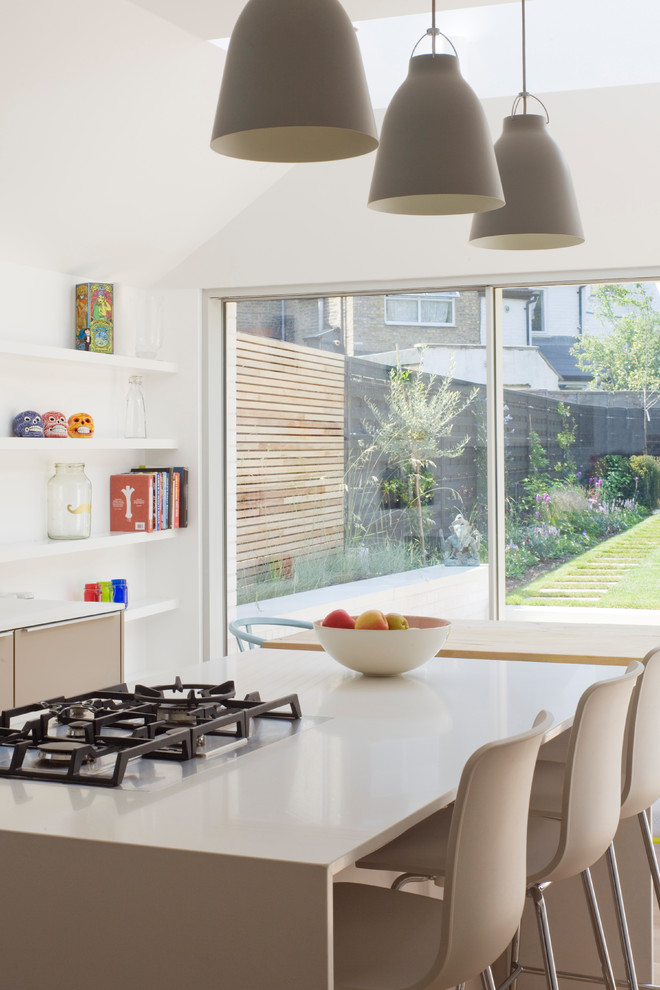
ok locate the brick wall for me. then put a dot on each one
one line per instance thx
(352, 324)
(373, 335)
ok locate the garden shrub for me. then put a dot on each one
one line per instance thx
(646, 470)
(566, 501)
(617, 476)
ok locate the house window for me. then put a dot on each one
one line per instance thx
(422, 309)
(538, 313)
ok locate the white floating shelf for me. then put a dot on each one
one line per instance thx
(57, 548)
(142, 610)
(43, 352)
(69, 444)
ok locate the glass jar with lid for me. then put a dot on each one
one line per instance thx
(69, 503)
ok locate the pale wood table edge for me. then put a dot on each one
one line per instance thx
(517, 641)
(494, 654)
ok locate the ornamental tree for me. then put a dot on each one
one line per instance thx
(628, 357)
(412, 431)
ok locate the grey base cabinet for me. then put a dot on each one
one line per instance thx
(6, 669)
(54, 649)
(67, 658)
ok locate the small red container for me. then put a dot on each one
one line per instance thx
(92, 593)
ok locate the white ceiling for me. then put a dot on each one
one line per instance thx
(216, 18)
(106, 171)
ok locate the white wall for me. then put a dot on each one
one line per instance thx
(313, 227)
(521, 366)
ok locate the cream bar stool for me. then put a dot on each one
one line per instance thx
(391, 940)
(641, 785)
(572, 821)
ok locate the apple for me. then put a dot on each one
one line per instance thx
(339, 619)
(396, 621)
(371, 619)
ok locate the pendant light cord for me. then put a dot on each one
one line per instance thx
(433, 31)
(524, 61)
(524, 95)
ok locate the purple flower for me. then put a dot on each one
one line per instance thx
(538, 498)
(546, 498)
(537, 515)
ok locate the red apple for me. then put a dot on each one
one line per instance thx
(396, 621)
(371, 619)
(340, 619)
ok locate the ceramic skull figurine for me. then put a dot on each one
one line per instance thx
(55, 424)
(28, 424)
(81, 425)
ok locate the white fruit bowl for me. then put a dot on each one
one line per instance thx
(385, 652)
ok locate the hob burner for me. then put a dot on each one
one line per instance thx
(90, 738)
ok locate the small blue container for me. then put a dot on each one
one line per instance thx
(120, 591)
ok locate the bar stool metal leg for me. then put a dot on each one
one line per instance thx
(621, 918)
(536, 893)
(487, 981)
(650, 852)
(597, 925)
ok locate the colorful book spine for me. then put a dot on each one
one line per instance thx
(176, 498)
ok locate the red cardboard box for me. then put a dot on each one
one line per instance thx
(131, 503)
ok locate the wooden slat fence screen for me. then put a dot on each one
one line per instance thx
(290, 454)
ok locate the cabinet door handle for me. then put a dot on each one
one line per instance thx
(67, 622)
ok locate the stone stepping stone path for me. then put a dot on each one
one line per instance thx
(591, 578)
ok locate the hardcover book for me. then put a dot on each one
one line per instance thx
(131, 503)
(164, 514)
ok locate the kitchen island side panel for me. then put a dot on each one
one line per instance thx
(133, 917)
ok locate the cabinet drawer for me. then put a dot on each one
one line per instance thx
(6, 670)
(67, 658)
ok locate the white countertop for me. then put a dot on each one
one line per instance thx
(379, 752)
(17, 613)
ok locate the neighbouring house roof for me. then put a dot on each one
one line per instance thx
(557, 352)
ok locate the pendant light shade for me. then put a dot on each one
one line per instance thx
(541, 209)
(294, 87)
(436, 155)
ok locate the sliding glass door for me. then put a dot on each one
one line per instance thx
(357, 454)
(379, 444)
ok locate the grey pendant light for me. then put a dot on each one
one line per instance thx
(294, 87)
(436, 154)
(541, 210)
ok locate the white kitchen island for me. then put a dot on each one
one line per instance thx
(219, 872)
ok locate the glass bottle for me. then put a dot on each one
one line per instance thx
(136, 414)
(150, 329)
(69, 503)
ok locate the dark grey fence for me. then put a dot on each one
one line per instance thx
(605, 423)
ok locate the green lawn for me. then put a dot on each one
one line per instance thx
(622, 572)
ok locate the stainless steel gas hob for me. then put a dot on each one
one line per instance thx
(91, 738)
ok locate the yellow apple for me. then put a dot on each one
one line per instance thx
(396, 621)
(371, 619)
